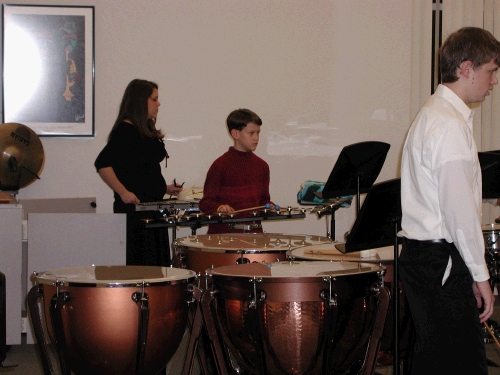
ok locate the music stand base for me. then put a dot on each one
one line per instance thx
(7, 364)
(490, 363)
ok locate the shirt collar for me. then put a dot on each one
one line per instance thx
(456, 102)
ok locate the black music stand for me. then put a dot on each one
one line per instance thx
(377, 225)
(490, 169)
(492, 152)
(355, 171)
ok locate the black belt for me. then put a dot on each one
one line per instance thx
(416, 243)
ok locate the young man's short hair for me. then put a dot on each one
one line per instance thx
(467, 44)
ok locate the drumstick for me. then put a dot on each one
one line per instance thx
(267, 206)
(328, 253)
(245, 209)
(492, 334)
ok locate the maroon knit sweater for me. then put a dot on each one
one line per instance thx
(239, 179)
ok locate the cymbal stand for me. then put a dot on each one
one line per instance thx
(13, 189)
(8, 196)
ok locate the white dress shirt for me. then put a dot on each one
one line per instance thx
(441, 180)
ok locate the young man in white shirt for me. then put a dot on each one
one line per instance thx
(442, 265)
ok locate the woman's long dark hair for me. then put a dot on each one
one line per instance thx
(134, 107)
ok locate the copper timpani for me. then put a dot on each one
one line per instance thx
(111, 320)
(201, 252)
(297, 317)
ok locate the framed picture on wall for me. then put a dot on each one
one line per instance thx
(48, 69)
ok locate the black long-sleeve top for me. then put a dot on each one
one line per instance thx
(136, 163)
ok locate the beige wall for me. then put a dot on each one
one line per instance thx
(321, 74)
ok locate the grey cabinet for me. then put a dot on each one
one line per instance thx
(11, 266)
(60, 240)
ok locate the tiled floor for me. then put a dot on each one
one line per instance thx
(28, 362)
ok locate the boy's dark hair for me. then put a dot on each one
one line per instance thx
(467, 44)
(240, 118)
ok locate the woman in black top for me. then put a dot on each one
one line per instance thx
(130, 165)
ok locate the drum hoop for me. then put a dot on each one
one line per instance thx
(288, 280)
(493, 228)
(180, 241)
(372, 268)
(114, 284)
(234, 251)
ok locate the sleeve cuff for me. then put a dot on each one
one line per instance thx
(480, 272)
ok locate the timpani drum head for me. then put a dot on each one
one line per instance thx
(114, 276)
(382, 255)
(214, 250)
(294, 271)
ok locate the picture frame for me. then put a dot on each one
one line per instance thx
(48, 68)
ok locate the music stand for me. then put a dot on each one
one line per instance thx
(493, 151)
(490, 170)
(377, 225)
(355, 171)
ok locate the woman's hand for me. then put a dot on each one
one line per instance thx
(109, 177)
(129, 197)
(174, 189)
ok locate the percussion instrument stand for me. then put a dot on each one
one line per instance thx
(355, 171)
(329, 209)
(377, 225)
(490, 172)
(196, 326)
(494, 278)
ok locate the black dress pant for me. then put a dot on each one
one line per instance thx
(145, 246)
(449, 336)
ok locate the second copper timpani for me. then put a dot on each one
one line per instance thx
(201, 252)
(297, 317)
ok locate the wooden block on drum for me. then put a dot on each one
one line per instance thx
(334, 252)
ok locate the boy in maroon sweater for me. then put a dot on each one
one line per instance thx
(238, 179)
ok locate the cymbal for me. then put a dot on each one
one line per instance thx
(21, 156)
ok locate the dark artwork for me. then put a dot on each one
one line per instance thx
(60, 96)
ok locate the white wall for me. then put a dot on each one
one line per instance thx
(321, 74)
